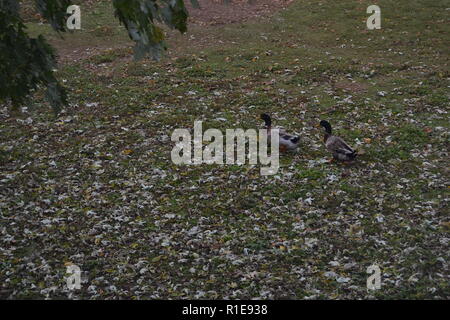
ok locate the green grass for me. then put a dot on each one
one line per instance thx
(301, 65)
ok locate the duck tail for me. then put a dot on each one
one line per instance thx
(267, 119)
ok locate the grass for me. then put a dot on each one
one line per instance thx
(165, 231)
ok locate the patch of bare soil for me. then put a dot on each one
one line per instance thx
(29, 12)
(211, 13)
(218, 12)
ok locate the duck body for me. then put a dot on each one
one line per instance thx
(336, 145)
(340, 150)
(287, 142)
(290, 142)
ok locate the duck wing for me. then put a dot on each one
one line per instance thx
(288, 137)
(339, 146)
(289, 141)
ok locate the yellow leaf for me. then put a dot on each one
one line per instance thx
(156, 259)
(127, 151)
(446, 225)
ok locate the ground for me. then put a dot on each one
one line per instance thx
(96, 186)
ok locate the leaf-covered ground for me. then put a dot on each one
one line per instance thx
(96, 187)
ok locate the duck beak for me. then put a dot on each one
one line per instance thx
(317, 125)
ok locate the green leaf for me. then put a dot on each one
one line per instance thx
(55, 12)
(139, 18)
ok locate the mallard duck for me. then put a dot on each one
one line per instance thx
(287, 142)
(337, 146)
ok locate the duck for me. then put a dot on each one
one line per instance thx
(336, 145)
(287, 142)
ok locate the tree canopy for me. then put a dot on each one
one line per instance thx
(29, 63)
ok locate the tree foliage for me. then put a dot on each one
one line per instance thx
(139, 17)
(29, 63)
(25, 63)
